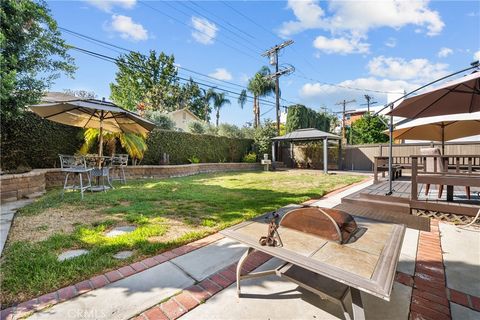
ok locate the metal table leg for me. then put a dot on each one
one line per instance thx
(449, 193)
(357, 305)
(251, 274)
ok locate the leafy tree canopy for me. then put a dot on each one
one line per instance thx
(263, 137)
(149, 82)
(369, 129)
(161, 120)
(32, 54)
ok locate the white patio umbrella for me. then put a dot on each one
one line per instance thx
(92, 113)
(439, 128)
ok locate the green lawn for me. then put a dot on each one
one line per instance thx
(167, 214)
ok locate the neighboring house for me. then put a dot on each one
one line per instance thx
(182, 118)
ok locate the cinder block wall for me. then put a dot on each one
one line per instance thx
(17, 186)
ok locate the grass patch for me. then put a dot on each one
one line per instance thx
(166, 213)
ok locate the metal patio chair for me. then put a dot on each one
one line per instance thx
(119, 162)
(77, 166)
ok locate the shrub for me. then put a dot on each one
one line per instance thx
(250, 157)
(194, 159)
(196, 127)
(182, 145)
(161, 120)
(263, 137)
(230, 131)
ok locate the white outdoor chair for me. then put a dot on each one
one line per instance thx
(77, 166)
(119, 162)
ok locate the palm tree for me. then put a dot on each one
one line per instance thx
(134, 144)
(259, 86)
(219, 100)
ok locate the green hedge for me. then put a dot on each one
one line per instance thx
(301, 117)
(180, 146)
(30, 141)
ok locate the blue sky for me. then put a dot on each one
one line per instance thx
(384, 46)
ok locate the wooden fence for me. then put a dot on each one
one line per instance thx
(361, 157)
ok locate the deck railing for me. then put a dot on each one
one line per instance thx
(449, 170)
(398, 162)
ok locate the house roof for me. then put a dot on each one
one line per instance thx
(187, 111)
(307, 135)
(58, 97)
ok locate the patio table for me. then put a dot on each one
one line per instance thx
(100, 169)
(322, 266)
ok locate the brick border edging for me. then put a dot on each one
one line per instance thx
(61, 295)
(191, 297)
(430, 296)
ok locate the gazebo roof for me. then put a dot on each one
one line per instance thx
(306, 135)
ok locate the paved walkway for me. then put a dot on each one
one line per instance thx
(8, 210)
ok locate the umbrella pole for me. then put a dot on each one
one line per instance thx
(100, 147)
(390, 156)
(443, 139)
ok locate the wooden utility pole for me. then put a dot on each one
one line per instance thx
(344, 104)
(369, 102)
(272, 53)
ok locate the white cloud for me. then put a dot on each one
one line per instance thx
(340, 45)
(221, 74)
(420, 70)
(391, 42)
(444, 52)
(476, 55)
(205, 31)
(108, 5)
(359, 17)
(127, 28)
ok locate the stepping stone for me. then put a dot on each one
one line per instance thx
(70, 254)
(119, 231)
(122, 255)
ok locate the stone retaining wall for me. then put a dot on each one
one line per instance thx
(17, 186)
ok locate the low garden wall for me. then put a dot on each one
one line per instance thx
(17, 186)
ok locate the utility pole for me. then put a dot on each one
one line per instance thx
(344, 104)
(272, 53)
(369, 102)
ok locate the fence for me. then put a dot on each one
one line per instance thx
(361, 157)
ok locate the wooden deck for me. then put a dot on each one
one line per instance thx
(374, 202)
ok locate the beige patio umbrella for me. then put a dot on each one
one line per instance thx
(92, 113)
(459, 96)
(439, 128)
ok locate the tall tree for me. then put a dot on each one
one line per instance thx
(32, 54)
(369, 129)
(219, 100)
(149, 81)
(259, 86)
(194, 98)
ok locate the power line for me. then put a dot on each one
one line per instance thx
(190, 27)
(219, 17)
(248, 41)
(115, 60)
(92, 39)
